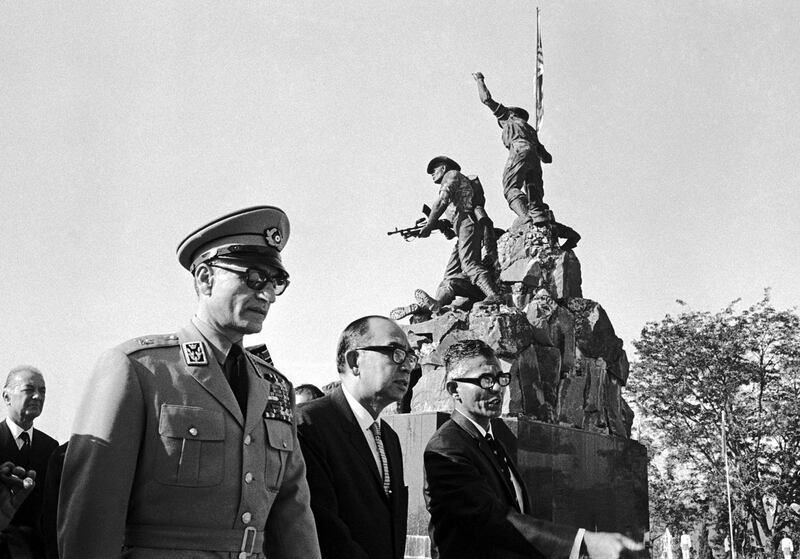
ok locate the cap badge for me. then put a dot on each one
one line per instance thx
(194, 353)
(273, 237)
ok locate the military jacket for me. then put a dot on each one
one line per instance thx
(161, 459)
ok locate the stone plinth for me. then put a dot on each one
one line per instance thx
(567, 364)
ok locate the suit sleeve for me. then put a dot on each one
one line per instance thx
(101, 460)
(335, 539)
(290, 529)
(52, 482)
(460, 497)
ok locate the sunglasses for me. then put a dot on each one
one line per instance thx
(487, 380)
(256, 279)
(398, 354)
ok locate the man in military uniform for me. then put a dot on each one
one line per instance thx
(185, 445)
(523, 187)
(457, 196)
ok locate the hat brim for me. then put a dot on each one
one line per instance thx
(436, 161)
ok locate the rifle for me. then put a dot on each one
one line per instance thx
(441, 225)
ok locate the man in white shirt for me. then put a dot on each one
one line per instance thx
(28, 448)
(353, 459)
(477, 499)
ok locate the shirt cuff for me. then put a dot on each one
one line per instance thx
(576, 546)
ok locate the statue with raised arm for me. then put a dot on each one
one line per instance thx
(523, 187)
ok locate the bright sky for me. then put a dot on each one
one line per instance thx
(124, 126)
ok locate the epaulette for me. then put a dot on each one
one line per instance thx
(149, 342)
(279, 402)
(261, 351)
(268, 371)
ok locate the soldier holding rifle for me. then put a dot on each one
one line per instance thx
(457, 201)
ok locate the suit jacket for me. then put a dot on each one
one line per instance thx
(355, 519)
(42, 446)
(161, 459)
(50, 487)
(472, 505)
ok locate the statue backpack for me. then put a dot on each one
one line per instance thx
(479, 201)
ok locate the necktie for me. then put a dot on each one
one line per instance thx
(376, 432)
(236, 373)
(25, 449)
(500, 454)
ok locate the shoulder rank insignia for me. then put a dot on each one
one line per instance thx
(194, 353)
(145, 343)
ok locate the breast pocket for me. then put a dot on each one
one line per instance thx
(280, 444)
(192, 452)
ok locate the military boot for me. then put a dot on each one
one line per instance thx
(402, 312)
(520, 207)
(488, 288)
(426, 301)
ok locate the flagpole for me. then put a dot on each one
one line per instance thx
(539, 74)
(536, 69)
(728, 486)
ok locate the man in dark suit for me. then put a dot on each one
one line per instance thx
(478, 502)
(28, 448)
(355, 466)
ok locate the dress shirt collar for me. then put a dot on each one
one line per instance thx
(480, 429)
(220, 344)
(16, 430)
(363, 417)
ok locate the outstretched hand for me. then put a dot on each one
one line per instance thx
(15, 485)
(607, 545)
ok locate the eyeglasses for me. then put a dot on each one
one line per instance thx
(399, 355)
(487, 380)
(257, 279)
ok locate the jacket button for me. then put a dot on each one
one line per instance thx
(246, 517)
(248, 439)
(284, 444)
(193, 431)
(248, 477)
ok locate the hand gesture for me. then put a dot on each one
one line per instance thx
(606, 545)
(15, 485)
(478, 76)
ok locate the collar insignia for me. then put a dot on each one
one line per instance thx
(194, 353)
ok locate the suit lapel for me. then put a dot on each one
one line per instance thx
(513, 467)
(357, 440)
(7, 441)
(460, 420)
(210, 376)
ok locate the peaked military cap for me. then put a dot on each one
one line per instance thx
(256, 234)
(439, 159)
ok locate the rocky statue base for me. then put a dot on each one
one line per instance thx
(568, 424)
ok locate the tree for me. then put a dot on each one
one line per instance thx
(690, 368)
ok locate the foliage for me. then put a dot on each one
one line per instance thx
(692, 367)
